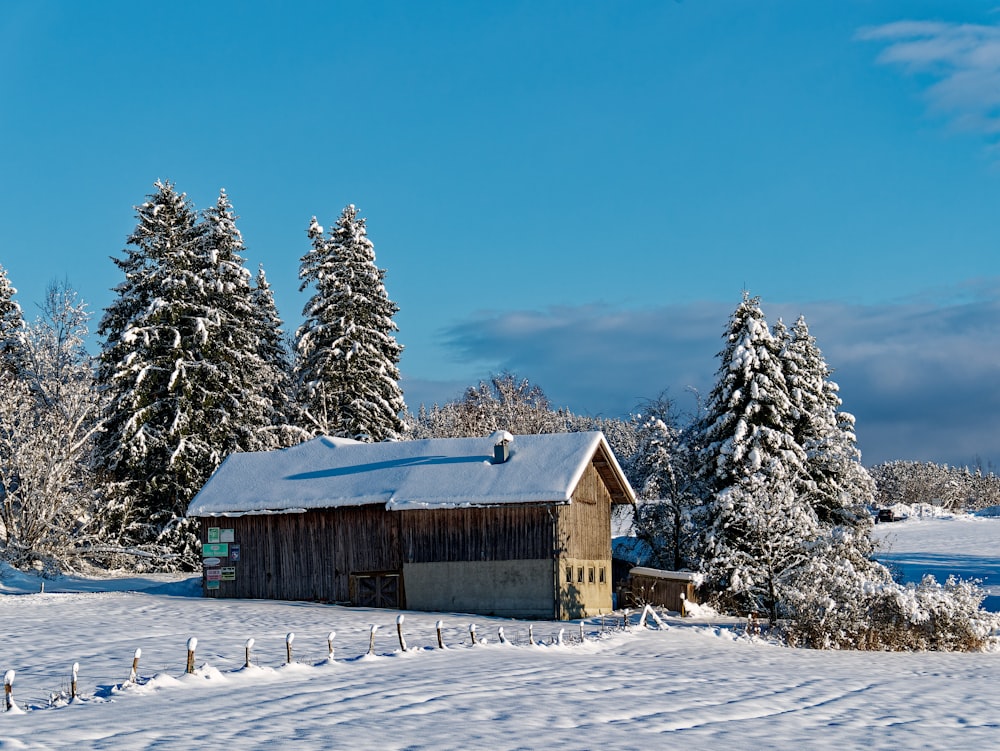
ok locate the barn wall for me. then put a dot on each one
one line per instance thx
(584, 537)
(499, 533)
(307, 556)
(514, 589)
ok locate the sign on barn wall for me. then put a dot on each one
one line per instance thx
(215, 550)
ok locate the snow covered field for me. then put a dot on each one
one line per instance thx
(698, 685)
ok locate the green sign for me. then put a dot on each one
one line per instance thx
(228, 573)
(215, 550)
(213, 534)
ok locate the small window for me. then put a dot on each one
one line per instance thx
(590, 575)
(579, 575)
(569, 574)
(601, 577)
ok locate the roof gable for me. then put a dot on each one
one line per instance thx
(433, 473)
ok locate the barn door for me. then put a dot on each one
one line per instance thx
(376, 590)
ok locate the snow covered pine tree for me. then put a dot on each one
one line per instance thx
(180, 367)
(11, 326)
(753, 471)
(347, 359)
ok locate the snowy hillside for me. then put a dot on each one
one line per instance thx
(697, 685)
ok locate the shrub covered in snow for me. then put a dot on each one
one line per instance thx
(848, 608)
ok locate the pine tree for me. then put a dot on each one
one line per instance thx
(276, 377)
(841, 489)
(180, 367)
(239, 384)
(347, 374)
(11, 327)
(752, 469)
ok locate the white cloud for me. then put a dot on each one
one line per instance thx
(962, 59)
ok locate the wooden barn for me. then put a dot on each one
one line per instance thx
(517, 526)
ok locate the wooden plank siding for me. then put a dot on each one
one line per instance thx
(494, 533)
(584, 527)
(308, 556)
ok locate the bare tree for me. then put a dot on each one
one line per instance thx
(48, 419)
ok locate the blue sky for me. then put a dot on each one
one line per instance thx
(578, 192)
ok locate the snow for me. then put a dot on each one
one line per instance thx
(945, 544)
(441, 472)
(701, 683)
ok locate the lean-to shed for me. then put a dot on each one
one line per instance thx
(505, 525)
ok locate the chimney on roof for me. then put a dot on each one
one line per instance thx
(501, 446)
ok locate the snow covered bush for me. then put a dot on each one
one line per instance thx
(843, 604)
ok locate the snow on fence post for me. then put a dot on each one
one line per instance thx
(500, 635)
(192, 644)
(8, 691)
(581, 632)
(247, 647)
(289, 638)
(683, 605)
(329, 645)
(134, 672)
(531, 635)
(371, 639)
(625, 620)
(399, 632)
(472, 633)
(72, 683)
(438, 626)
(559, 638)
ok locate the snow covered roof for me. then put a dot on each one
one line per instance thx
(657, 573)
(433, 473)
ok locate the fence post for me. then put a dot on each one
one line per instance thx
(581, 632)
(500, 635)
(8, 691)
(289, 638)
(72, 683)
(371, 639)
(399, 632)
(683, 605)
(329, 645)
(134, 672)
(559, 639)
(438, 626)
(531, 635)
(472, 633)
(192, 644)
(247, 647)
